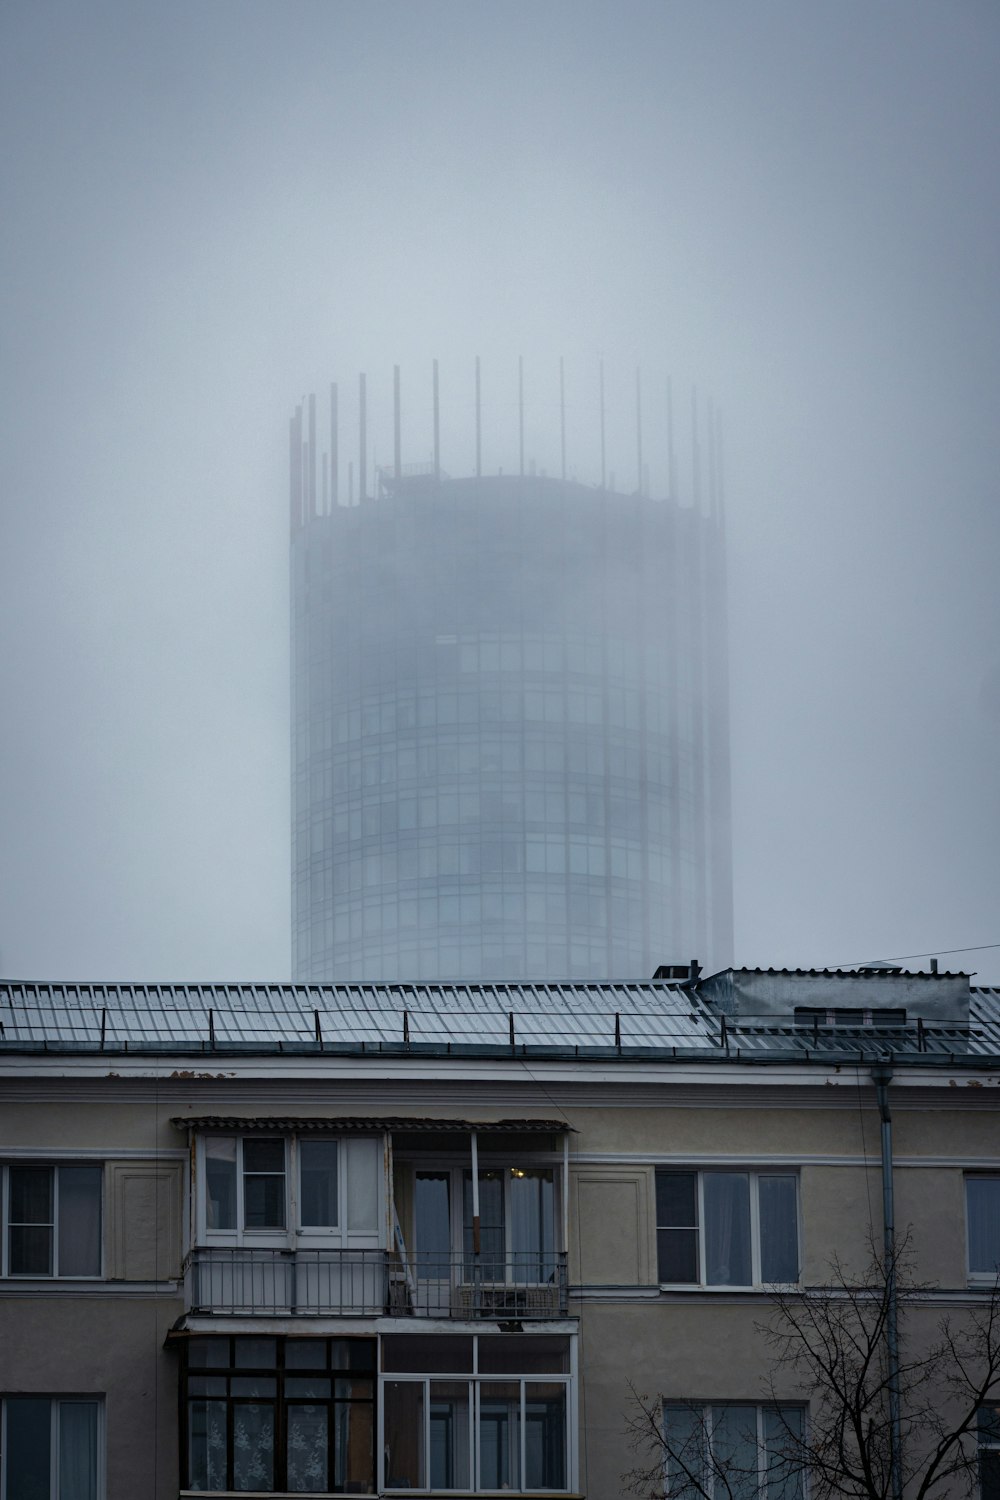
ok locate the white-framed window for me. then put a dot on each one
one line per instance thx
(52, 1448)
(726, 1449)
(314, 1189)
(477, 1413)
(726, 1227)
(51, 1219)
(982, 1211)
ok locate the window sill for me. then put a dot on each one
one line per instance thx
(40, 1279)
(762, 1289)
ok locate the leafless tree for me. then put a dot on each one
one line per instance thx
(878, 1427)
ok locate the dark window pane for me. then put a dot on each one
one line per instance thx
(308, 1387)
(779, 1247)
(220, 1182)
(687, 1440)
(432, 1224)
(31, 1195)
(305, 1354)
(264, 1202)
(208, 1353)
(354, 1457)
(521, 1354)
(253, 1385)
(30, 1251)
(544, 1436)
(983, 1203)
(256, 1354)
(80, 1221)
(404, 1434)
(352, 1354)
(207, 1385)
(676, 1200)
(318, 1172)
(263, 1156)
(989, 1474)
(449, 1435)
(499, 1435)
(77, 1450)
(29, 1429)
(782, 1445)
(677, 1254)
(427, 1353)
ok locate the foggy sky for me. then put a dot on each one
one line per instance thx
(210, 210)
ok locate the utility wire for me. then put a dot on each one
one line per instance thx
(900, 957)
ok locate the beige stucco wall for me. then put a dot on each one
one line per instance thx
(702, 1345)
(113, 1346)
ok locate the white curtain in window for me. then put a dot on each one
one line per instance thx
(983, 1195)
(80, 1221)
(77, 1450)
(363, 1161)
(727, 1229)
(531, 1224)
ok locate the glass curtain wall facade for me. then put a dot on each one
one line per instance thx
(509, 734)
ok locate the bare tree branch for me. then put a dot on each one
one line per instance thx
(831, 1343)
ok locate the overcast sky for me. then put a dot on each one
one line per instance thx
(209, 209)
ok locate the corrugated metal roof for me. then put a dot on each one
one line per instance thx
(604, 1019)
(439, 1015)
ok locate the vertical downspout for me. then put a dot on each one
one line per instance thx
(881, 1077)
(563, 1279)
(475, 1195)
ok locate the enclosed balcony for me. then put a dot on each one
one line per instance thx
(266, 1282)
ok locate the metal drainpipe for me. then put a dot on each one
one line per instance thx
(882, 1077)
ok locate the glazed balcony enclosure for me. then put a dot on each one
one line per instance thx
(373, 1218)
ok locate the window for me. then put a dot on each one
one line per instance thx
(52, 1448)
(292, 1415)
(482, 1413)
(726, 1228)
(814, 1016)
(324, 1189)
(52, 1219)
(989, 1452)
(733, 1452)
(516, 1224)
(982, 1200)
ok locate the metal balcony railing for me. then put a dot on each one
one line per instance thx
(520, 1284)
(240, 1281)
(262, 1282)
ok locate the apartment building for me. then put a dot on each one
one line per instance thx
(395, 1239)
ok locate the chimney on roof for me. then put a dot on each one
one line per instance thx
(679, 973)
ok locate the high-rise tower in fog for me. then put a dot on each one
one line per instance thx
(510, 742)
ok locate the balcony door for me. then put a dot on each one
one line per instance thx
(517, 1233)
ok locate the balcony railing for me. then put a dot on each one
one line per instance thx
(368, 1283)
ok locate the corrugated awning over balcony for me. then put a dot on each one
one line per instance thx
(393, 1124)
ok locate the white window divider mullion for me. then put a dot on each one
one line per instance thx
(55, 1220)
(291, 1146)
(755, 1249)
(240, 1196)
